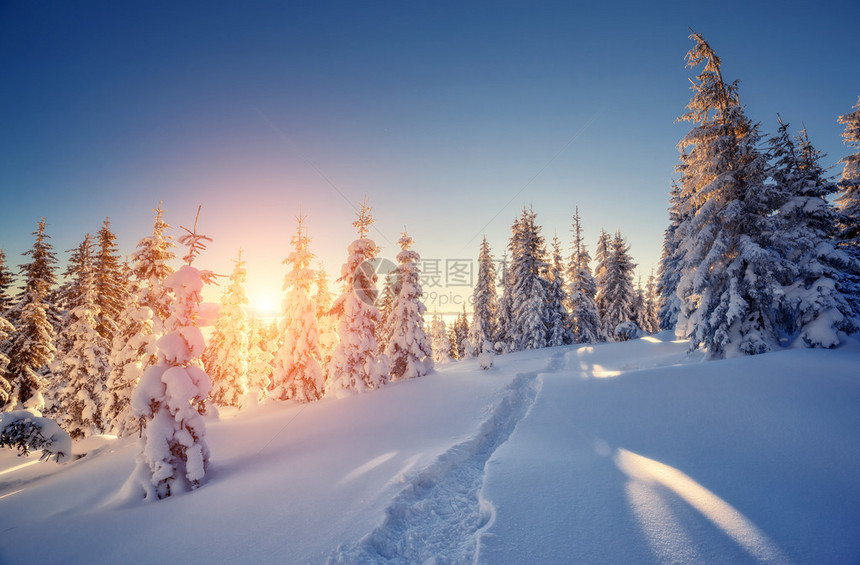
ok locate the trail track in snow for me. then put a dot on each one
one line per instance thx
(437, 518)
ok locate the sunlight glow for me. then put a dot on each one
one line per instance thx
(651, 339)
(264, 305)
(21, 466)
(648, 472)
(11, 493)
(370, 465)
(598, 372)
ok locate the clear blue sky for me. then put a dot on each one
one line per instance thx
(439, 111)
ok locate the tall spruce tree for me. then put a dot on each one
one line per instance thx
(225, 358)
(6, 281)
(32, 347)
(80, 369)
(669, 271)
(650, 318)
(109, 281)
(355, 366)
(813, 308)
(584, 317)
(408, 349)
(558, 326)
(260, 361)
(298, 374)
(6, 330)
(461, 336)
(439, 342)
(505, 330)
(132, 351)
(528, 288)
(728, 281)
(485, 304)
(385, 303)
(639, 303)
(619, 293)
(849, 198)
(453, 348)
(78, 279)
(601, 256)
(848, 203)
(325, 319)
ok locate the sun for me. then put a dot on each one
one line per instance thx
(264, 305)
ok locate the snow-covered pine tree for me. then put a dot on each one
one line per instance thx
(132, 351)
(6, 281)
(32, 347)
(504, 332)
(559, 326)
(728, 281)
(109, 280)
(602, 255)
(528, 288)
(81, 368)
(408, 349)
(532, 316)
(170, 397)
(669, 271)
(439, 342)
(323, 297)
(354, 366)
(461, 331)
(6, 330)
(813, 308)
(133, 348)
(225, 358)
(385, 303)
(325, 319)
(849, 197)
(260, 361)
(271, 342)
(848, 203)
(650, 319)
(485, 305)
(298, 373)
(639, 303)
(152, 266)
(619, 293)
(78, 277)
(584, 318)
(453, 349)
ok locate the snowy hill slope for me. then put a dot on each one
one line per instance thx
(616, 453)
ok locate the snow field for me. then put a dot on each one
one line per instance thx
(618, 453)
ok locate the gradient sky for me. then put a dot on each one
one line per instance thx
(441, 112)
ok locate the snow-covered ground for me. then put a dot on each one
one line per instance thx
(619, 453)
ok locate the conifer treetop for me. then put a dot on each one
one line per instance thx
(301, 242)
(711, 91)
(195, 242)
(851, 120)
(39, 272)
(364, 221)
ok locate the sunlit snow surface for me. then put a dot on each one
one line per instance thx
(617, 453)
